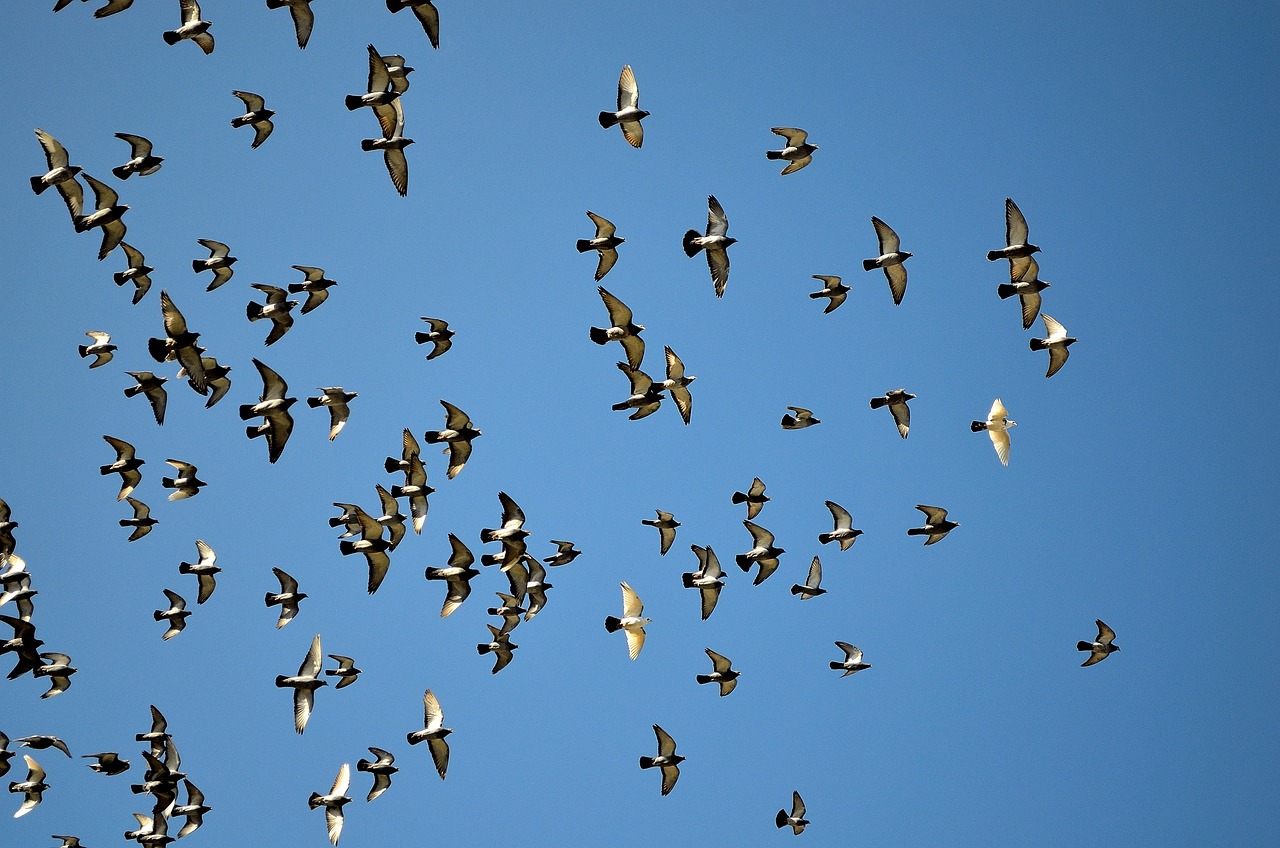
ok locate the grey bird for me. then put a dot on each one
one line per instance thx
(108, 763)
(621, 329)
(24, 645)
(333, 802)
(193, 810)
(433, 733)
(833, 289)
(32, 788)
(936, 525)
(43, 742)
(158, 735)
(304, 684)
(370, 544)
(666, 525)
(426, 13)
(176, 614)
(381, 769)
(126, 465)
(896, 400)
(142, 522)
(287, 598)
(193, 28)
(458, 433)
(500, 646)
(204, 569)
(60, 172)
(721, 673)
(536, 585)
(398, 69)
(797, 152)
(273, 406)
(565, 553)
(184, 482)
(1025, 282)
(440, 336)
(796, 819)
(512, 523)
(152, 830)
(107, 216)
(408, 451)
(336, 399)
(844, 533)
(346, 672)
(645, 398)
(415, 488)
(390, 117)
(716, 243)
(256, 115)
(379, 92)
(754, 497)
(667, 760)
(219, 262)
(1102, 647)
(677, 385)
(631, 622)
(763, 552)
(277, 309)
(812, 583)
(708, 579)
(1056, 342)
(141, 160)
(179, 343)
(15, 586)
(890, 259)
(802, 418)
(137, 273)
(7, 542)
(391, 518)
(457, 574)
(57, 667)
(629, 114)
(852, 662)
(604, 241)
(315, 285)
(153, 387)
(303, 18)
(997, 426)
(111, 8)
(1015, 235)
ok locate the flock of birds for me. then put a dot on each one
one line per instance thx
(375, 534)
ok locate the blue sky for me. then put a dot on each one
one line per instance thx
(1134, 140)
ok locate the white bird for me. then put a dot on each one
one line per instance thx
(333, 802)
(796, 819)
(433, 732)
(997, 426)
(629, 114)
(844, 532)
(631, 621)
(890, 259)
(304, 684)
(852, 659)
(1056, 343)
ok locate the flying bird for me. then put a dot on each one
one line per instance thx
(1025, 282)
(153, 387)
(629, 114)
(1015, 235)
(715, 243)
(645, 398)
(796, 819)
(708, 579)
(415, 487)
(108, 216)
(108, 763)
(457, 574)
(677, 384)
(126, 465)
(370, 543)
(176, 614)
(303, 18)
(843, 533)
(179, 343)
(997, 426)
(273, 406)
(1056, 343)
(393, 141)
(287, 598)
(256, 115)
(936, 525)
(754, 497)
(304, 684)
(216, 379)
(666, 525)
(333, 802)
(852, 662)
(141, 161)
(58, 669)
(797, 151)
(315, 285)
(812, 583)
(398, 69)
(379, 92)
(721, 673)
(391, 517)
(346, 672)
(43, 742)
(433, 733)
(32, 788)
(336, 399)
(204, 568)
(833, 289)
(622, 329)
(6, 532)
(219, 262)
(631, 621)
(667, 760)
(185, 483)
(802, 418)
(1099, 649)
(381, 769)
(137, 273)
(763, 552)
(890, 259)
(193, 810)
(535, 584)
(158, 735)
(426, 13)
(440, 337)
(192, 28)
(500, 646)
(60, 168)
(565, 553)
(512, 529)
(604, 241)
(458, 433)
(142, 522)
(896, 400)
(510, 610)
(5, 755)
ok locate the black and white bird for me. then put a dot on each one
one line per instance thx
(273, 406)
(1102, 647)
(219, 262)
(176, 614)
(277, 309)
(629, 114)
(458, 434)
(142, 522)
(107, 216)
(500, 646)
(153, 387)
(108, 762)
(1056, 342)
(32, 789)
(256, 115)
(896, 400)
(632, 621)
(392, 518)
(1015, 235)
(722, 673)
(433, 732)
(440, 336)
(193, 810)
(57, 667)
(192, 28)
(997, 426)
(843, 533)
(796, 819)
(645, 397)
(667, 760)
(1025, 282)
(666, 525)
(315, 284)
(677, 384)
(378, 93)
(535, 585)
(215, 375)
(185, 483)
(797, 152)
(335, 398)
(763, 552)
(415, 488)
(604, 241)
(204, 569)
(621, 329)
(890, 259)
(457, 574)
(382, 768)
(303, 18)
(716, 243)
(141, 160)
(754, 497)
(137, 273)
(390, 117)
(333, 801)
(565, 553)
(126, 465)
(60, 172)
(179, 343)
(304, 684)
(346, 672)
(426, 13)
(811, 587)
(936, 526)
(370, 544)
(288, 598)
(834, 289)
(802, 418)
(708, 579)
(852, 661)
(43, 742)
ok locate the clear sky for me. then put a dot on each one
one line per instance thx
(1134, 137)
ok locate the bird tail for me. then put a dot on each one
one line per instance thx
(363, 764)
(314, 800)
(311, 402)
(691, 246)
(38, 185)
(84, 351)
(704, 678)
(740, 497)
(157, 615)
(788, 421)
(773, 154)
(1038, 344)
(197, 265)
(868, 264)
(422, 338)
(743, 562)
(184, 568)
(687, 578)
(993, 255)
(367, 144)
(246, 411)
(252, 432)
(878, 402)
(395, 5)
(347, 548)
(824, 538)
(167, 483)
(1006, 291)
(608, 119)
(918, 531)
(354, 102)
(392, 465)
(646, 762)
(583, 244)
(618, 407)
(599, 336)
(978, 426)
(837, 665)
(280, 680)
(781, 819)
(613, 624)
(1083, 646)
(122, 173)
(431, 436)
(158, 349)
(486, 536)
(171, 37)
(483, 649)
(253, 311)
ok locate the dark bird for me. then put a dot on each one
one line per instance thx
(433, 733)
(24, 645)
(1056, 343)
(510, 611)
(666, 525)
(896, 400)
(645, 398)
(57, 667)
(192, 28)
(812, 583)
(142, 522)
(632, 622)
(622, 329)
(565, 553)
(185, 483)
(219, 262)
(5, 755)
(179, 343)
(381, 769)
(797, 151)
(303, 17)
(843, 533)
(833, 289)
(500, 646)
(512, 523)
(204, 568)
(1015, 235)
(32, 788)
(7, 543)
(796, 819)
(346, 672)
(287, 598)
(708, 579)
(440, 336)
(721, 672)
(176, 614)
(457, 574)
(216, 379)
(1025, 282)
(667, 760)
(41, 742)
(336, 399)
(333, 802)
(273, 406)
(852, 661)
(763, 552)
(415, 488)
(604, 241)
(108, 216)
(890, 259)
(936, 525)
(315, 285)
(426, 13)
(256, 115)
(158, 735)
(370, 543)
(754, 497)
(390, 117)
(60, 168)
(126, 465)
(715, 243)
(304, 684)
(379, 92)
(629, 114)
(802, 418)
(137, 273)
(1100, 648)
(391, 518)
(141, 161)
(997, 426)
(193, 810)
(108, 763)
(153, 387)
(677, 384)
(535, 585)
(458, 433)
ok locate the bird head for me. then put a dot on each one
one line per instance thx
(906, 255)
(642, 115)
(1033, 248)
(729, 241)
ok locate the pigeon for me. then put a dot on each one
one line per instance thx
(833, 289)
(510, 611)
(5, 755)
(192, 27)
(391, 518)
(108, 763)
(112, 7)
(631, 621)
(512, 523)
(708, 579)
(303, 17)
(61, 171)
(379, 92)
(677, 384)
(43, 742)
(393, 142)
(440, 337)
(304, 684)
(1015, 235)
(274, 407)
(1025, 282)
(604, 241)
(666, 525)
(433, 733)
(621, 329)
(153, 387)
(15, 586)
(797, 152)
(1100, 648)
(58, 669)
(408, 452)
(458, 433)
(336, 399)
(398, 69)
(371, 544)
(126, 465)
(151, 831)
(346, 672)
(754, 497)
(381, 769)
(219, 262)
(645, 397)
(356, 521)
(763, 552)
(997, 426)
(7, 542)
(100, 349)
(426, 13)
(315, 285)
(287, 598)
(142, 522)
(843, 533)
(108, 216)
(204, 569)
(796, 819)
(141, 161)
(810, 589)
(629, 114)
(896, 400)
(936, 524)
(193, 810)
(138, 272)
(256, 115)
(185, 484)
(890, 259)
(500, 646)
(333, 802)
(176, 614)
(277, 309)
(158, 735)
(179, 343)
(415, 488)
(802, 418)
(33, 787)
(667, 760)
(1056, 343)
(215, 378)
(536, 586)
(565, 553)
(852, 662)
(721, 673)
(24, 644)
(457, 574)
(715, 243)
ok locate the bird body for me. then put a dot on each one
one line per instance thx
(764, 553)
(722, 673)
(708, 579)
(382, 768)
(632, 622)
(622, 329)
(666, 525)
(219, 262)
(797, 152)
(433, 732)
(204, 569)
(802, 418)
(333, 801)
(192, 28)
(936, 524)
(997, 426)
(629, 114)
(604, 241)
(101, 348)
(896, 400)
(141, 161)
(287, 598)
(1015, 235)
(796, 819)
(716, 242)
(811, 586)
(304, 684)
(1102, 647)
(852, 662)
(754, 497)
(844, 533)
(439, 336)
(890, 259)
(1056, 343)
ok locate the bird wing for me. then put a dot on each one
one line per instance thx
(512, 515)
(398, 169)
(628, 91)
(303, 701)
(432, 715)
(73, 196)
(390, 117)
(998, 414)
(901, 417)
(1000, 440)
(288, 585)
(1030, 308)
(889, 241)
(934, 514)
(379, 79)
(814, 580)
(604, 227)
(710, 563)
(104, 196)
(124, 450)
(175, 324)
(843, 520)
(675, 366)
(719, 662)
(262, 129)
(797, 806)
(670, 774)
(190, 10)
(633, 346)
(139, 147)
(791, 168)
(1057, 358)
(684, 401)
(342, 781)
(666, 745)
(273, 386)
(1105, 634)
(454, 418)
(1056, 331)
(429, 16)
(315, 658)
(217, 250)
(633, 132)
(852, 653)
(897, 277)
(608, 258)
(718, 263)
(252, 102)
(710, 595)
(717, 221)
(176, 601)
(619, 313)
(281, 425)
(439, 755)
(762, 537)
(1024, 269)
(795, 137)
(459, 453)
(54, 153)
(635, 641)
(461, 556)
(303, 21)
(1015, 225)
(632, 606)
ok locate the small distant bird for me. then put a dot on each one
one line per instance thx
(1100, 648)
(802, 418)
(126, 465)
(415, 488)
(896, 400)
(512, 523)
(1015, 235)
(153, 387)
(304, 684)
(677, 384)
(204, 568)
(390, 117)
(890, 259)
(107, 216)
(176, 614)
(60, 172)
(179, 343)
(715, 243)
(721, 672)
(287, 598)
(997, 426)
(336, 399)
(193, 810)
(708, 579)
(764, 552)
(797, 152)
(440, 336)
(158, 735)
(315, 285)
(108, 763)
(70, 841)
(500, 646)
(645, 398)
(666, 525)
(303, 18)
(43, 742)
(433, 733)
(1025, 282)
(141, 161)
(936, 525)
(408, 451)
(565, 553)
(379, 92)
(833, 289)
(277, 308)
(796, 819)
(458, 433)
(256, 115)
(381, 769)
(510, 610)
(152, 830)
(667, 760)
(631, 621)
(754, 497)
(58, 669)
(457, 574)
(273, 406)
(32, 788)
(346, 672)
(111, 8)
(333, 802)
(5, 755)
(142, 522)
(629, 114)
(219, 262)
(137, 272)
(15, 585)
(535, 585)
(185, 483)
(604, 241)
(1056, 343)
(812, 583)
(215, 378)
(852, 659)
(7, 543)
(622, 329)
(192, 28)
(391, 517)
(24, 644)
(426, 13)
(843, 532)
